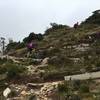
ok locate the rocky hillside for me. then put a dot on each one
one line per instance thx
(60, 51)
(68, 49)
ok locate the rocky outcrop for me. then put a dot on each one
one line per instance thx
(47, 91)
(34, 86)
(6, 92)
(19, 92)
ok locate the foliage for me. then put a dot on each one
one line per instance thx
(84, 88)
(2, 61)
(76, 84)
(32, 36)
(94, 19)
(75, 89)
(34, 62)
(12, 70)
(62, 88)
(55, 26)
(54, 75)
(62, 44)
(18, 45)
(67, 92)
(59, 61)
(14, 45)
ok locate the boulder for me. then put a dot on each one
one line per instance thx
(23, 93)
(6, 92)
(45, 61)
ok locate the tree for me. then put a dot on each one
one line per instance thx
(33, 36)
(55, 26)
(29, 38)
(14, 45)
(94, 19)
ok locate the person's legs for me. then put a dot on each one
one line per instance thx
(29, 52)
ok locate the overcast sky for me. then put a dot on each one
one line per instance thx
(20, 17)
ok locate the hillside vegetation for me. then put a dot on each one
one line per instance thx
(62, 50)
(68, 49)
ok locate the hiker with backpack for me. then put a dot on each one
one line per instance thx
(30, 47)
(76, 25)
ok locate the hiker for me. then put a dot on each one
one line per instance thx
(76, 25)
(30, 47)
(97, 35)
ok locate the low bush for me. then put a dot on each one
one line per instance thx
(84, 88)
(62, 88)
(55, 75)
(12, 70)
(76, 84)
(2, 61)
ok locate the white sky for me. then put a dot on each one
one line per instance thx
(20, 17)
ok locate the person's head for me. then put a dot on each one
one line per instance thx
(77, 23)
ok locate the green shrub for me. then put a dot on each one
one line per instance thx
(2, 70)
(55, 75)
(76, 84)
(34, 62)
(13, 70)
(63, 88)
(2, 61)
(84, 88)
(12, 94)
(59, 61)
(74, 97)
